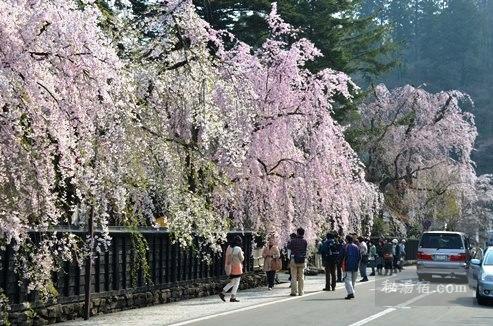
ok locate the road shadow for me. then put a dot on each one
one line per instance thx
(471, 302)
(326, 299)
(444, 280)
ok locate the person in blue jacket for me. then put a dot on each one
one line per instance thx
(352, 257)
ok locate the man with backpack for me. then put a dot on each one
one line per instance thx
(329, 251)
(298, 247)
(352, 257)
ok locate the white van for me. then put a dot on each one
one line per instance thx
(442, 253)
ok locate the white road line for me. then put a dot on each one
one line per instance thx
(373, 317)
(229, 312)
(391, 309)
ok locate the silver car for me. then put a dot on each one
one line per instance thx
(480, 276)
(442, 253)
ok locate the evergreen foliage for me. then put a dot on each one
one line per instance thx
(445, 45)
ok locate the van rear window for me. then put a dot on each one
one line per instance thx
(441, 240)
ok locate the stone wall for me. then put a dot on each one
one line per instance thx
(103, 303)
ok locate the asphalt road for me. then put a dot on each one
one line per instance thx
(399, 300)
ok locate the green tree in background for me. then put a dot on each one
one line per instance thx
(445, 44)
(350, 42)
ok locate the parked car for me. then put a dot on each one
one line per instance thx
(444, 254)
(480, 276)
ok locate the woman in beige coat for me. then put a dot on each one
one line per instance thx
(271, 256)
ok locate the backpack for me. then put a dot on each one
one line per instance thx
(334, 248)
(330, 250)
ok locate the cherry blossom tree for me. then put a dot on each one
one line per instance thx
(209, 113)
(478, 217)
(190, 121)
(165, 117)
(418, 151)
(299, 170)
(61, 130)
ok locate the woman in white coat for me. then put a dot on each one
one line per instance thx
(233, 266)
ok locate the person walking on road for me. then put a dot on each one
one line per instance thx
(330, 254)
(298, 247)
(388, 257)
(233, 266)
(352, 257)
(380, 260)
(339, 259)
(363, 250)
(272, 261)
(291, 237)
(403, 253)
(372, 257)
(396, 251)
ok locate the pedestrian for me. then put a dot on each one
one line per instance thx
(298, 247)
(272, 261)
(291, 237)
(372, 257)
(234, 268)
(339, 259)
(396, 251)
(388, 257)
(403, 253)
(317, 257)
(352, 257)
(330, 251)
(380, 260)
(363, 250)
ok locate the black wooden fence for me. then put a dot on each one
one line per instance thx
(412, 249)
(118, 270)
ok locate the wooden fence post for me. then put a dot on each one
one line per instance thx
(87, 284)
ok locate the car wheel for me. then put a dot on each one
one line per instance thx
(479, 298)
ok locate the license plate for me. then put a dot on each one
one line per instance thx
(441, 257)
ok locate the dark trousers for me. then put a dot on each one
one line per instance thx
(397, 263)
(330, 275)
(271, 276)
(379, 263)
(388, 264)
(339, 271)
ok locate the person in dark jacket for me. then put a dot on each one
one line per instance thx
(388, 257)
(339, 260)
(380, 256)
(329, 250)
(352, 257)
(291, 237)
(297, 247)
